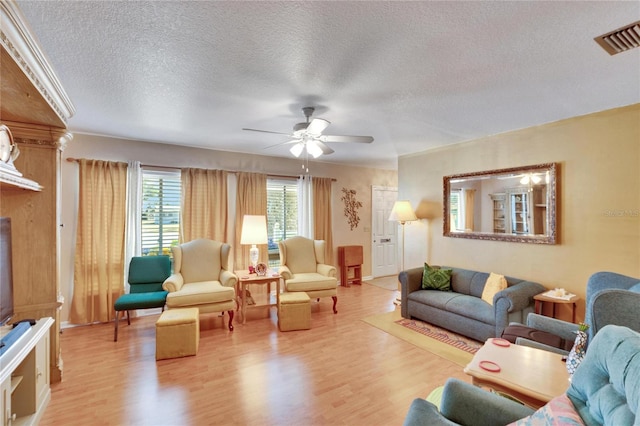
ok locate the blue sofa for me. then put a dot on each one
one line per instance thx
(605, 389)
(462, 309)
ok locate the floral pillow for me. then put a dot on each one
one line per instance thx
(559, 411)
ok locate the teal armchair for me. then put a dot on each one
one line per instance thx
(146, 275)
(611, 299)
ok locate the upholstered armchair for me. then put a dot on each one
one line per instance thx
(146, 276)
(611, 299)
(201, 278)
(303, 268)
(605, 389)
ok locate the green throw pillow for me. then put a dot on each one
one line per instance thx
(436, 278)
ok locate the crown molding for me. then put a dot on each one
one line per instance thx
(17, 40)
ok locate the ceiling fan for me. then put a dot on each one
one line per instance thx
(308, 135)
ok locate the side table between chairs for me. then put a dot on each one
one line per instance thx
(245, 278)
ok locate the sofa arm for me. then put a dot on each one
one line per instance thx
(518, 297)
(566, 330)
(410, 281)
(465, 404)
(228, 278)
(326, 270)
(515, 298)
(173, 283)
(285, 272)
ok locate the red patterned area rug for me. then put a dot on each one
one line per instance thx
(441, 335)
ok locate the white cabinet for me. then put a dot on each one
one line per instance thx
(520, 211)
(499, 212)
(24, 377)
(519, 203)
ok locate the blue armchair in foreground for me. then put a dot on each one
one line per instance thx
(146, 275)
(605, 389)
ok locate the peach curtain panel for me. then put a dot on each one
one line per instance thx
(251, 199)
(469, 210)
(322, 215)
(204, 205)
(99, 258)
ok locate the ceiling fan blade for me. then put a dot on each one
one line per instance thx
(282, 143)
(266, 131)
(325, 149)
(317, 125)
(357, 139)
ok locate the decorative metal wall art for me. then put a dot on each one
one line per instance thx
(351, 206)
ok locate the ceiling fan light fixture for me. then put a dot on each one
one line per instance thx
(314, 149)
(296, 150)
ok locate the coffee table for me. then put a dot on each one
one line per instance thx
(245, 278)
(530, 375)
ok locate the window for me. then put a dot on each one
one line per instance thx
(161, 192)
(282, 214)
(455, 210)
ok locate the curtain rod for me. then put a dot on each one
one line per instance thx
(75, 160)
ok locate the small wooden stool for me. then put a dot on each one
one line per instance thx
(177, 333)
(294, 311)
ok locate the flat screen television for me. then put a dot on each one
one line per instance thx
(6, 272)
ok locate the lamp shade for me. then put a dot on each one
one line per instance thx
(254, 230)
(402, 212)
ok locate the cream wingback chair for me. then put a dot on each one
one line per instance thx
(201, 278)
(303, 269)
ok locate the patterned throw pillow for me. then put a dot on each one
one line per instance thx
(436, 278)
(558, 411)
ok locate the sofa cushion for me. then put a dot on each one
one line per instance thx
(435, 298)
(493, 285)
(436, 278)
(472, 307)
(200, 293)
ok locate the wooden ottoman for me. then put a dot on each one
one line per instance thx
(294, 311)
(177, 333)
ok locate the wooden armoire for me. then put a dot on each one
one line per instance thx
(35, 108)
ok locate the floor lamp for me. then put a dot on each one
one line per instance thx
(403, 213)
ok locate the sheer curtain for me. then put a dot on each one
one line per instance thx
(133, 244)
(251, 198)
(305, 206)
(469, 210)
(204, 205)
(322, 214)
(100, 240)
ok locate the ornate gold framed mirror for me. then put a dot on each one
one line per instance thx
(516, 204)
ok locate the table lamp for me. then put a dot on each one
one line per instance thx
(254, 231)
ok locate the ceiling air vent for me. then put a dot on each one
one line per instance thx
(620, 40)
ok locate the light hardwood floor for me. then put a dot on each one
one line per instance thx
(341, 372)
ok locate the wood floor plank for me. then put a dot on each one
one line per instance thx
(342, 371)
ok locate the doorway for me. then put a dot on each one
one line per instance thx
(384, 234)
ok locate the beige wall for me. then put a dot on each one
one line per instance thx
(101, 148)
(598, 203)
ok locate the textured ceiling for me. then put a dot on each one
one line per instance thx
(414, 75)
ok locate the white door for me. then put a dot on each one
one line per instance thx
(384, 234)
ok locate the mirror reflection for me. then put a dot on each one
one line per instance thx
(516, 204)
